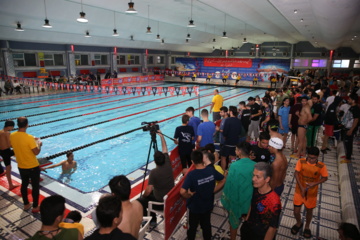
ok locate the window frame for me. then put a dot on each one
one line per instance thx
(80, 59)
(356, 63)
(23, 59)
(339, 63)
(99, 59)
(52, 58)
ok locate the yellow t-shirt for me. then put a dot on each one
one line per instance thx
(219, 169)
(23, 144)
(238, 78)
(255, 79)
(76, 225)
(218, 100)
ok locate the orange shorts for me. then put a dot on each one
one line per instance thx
(329, 130)
(308, 202)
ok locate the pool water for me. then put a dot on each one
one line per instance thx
(114, 114)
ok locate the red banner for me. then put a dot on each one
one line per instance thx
(136, 79)
(228, 62)
(175, 162)
(175, 207)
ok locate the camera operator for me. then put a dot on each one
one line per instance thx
(161, 179)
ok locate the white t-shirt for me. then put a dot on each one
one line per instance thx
(329, 101)
(345, 108)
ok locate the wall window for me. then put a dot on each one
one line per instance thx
(173, 60)
(301, 62)
(120, 59)
(133, 59)
(101, 59)
(150, 60)
(357, 64)
(54, 59)
(24, 59)
(160, 59)
(344, 63)
(318, 63)
(81, 59)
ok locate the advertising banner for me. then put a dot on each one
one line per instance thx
(228, 62)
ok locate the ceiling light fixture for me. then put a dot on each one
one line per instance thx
(18, 27)
(158, 35)
(162, 41)
(355, 36)
(187, 41)
(224, 33)
(82, 18)
(131, 9)
(301, 20)
(252, 48)
(47, 23)
(295, 11)
(188, 36)
(214, 40)
(245, 41)
(148, 31)
(191, 21)
(132, 38)
(115, 34)
(87, 34)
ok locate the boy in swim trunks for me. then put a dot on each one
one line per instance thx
(309, 173)
(279, 166)
(69, 165)
(5, 151)
(304, 118)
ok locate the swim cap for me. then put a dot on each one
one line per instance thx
(276, 143)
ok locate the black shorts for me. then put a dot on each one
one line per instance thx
(226, 151)
(6, 155)
(185, 160)
(294, 129)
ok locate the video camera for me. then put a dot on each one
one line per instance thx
(153, 127)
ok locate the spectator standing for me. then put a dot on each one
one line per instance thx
(266, 114)
(109, 215)
(72, 220)
(194, 122)
(309, 173)
(260, 151)
(279, 100)
(330, 121)
(26, 149)
(184, 136)
(6, 152)
(255, 119)
(206, 130)
(224, 115)
(244, 115)
(293, 123)
(8, 86)
(279, 166)
(216, 104)
(264, 213)
(284, 119)
(351, 123)
(52, 212)
(198, 188)
(231, 133)
(238, 189)
(132, 211)
(161, 179)
(315, 121)
(304, 119)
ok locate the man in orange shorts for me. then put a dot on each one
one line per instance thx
(309, 173)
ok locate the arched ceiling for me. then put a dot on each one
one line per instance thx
(326, 23)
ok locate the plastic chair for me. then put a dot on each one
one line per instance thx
(151, 206)
(145, 228)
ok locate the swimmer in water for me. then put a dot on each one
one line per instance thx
(69, 165)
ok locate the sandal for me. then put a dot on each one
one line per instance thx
(295, 229)
(307, 233)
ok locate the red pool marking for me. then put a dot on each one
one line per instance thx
(45, 100)
(137, 188)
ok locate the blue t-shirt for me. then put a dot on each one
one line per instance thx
(284, 114)
(202, 182)
(194, 122)
(184, 134)
(206, 130)
(232, 131)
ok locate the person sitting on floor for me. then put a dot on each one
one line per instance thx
(72, 220)
(52, 212)
(132, 214)
(109, 215)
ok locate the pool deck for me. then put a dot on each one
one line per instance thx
(338, 200)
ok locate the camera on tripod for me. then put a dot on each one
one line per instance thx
(153, 127)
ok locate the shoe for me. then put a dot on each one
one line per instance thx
(295, 229)
(36, 210)
(27, 206)
(327, 149)
(153, 223)
(307, 233)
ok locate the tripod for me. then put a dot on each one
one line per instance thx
(153, 144)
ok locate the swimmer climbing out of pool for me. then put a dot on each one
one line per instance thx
(69, 165)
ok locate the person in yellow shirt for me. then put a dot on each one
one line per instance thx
(255, 80)
(225, 77)
(193, 77)
(72, 220)
(26, 148)
(216, 104)
(238, 78)
(208, 77)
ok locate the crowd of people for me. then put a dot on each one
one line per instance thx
(247, 172)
